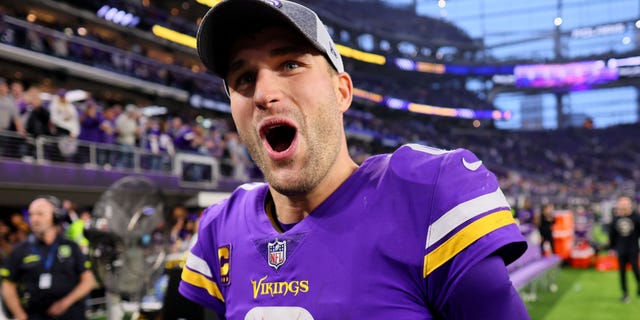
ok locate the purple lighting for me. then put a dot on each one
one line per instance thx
(572, 75)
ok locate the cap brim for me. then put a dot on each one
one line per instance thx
(224, 23)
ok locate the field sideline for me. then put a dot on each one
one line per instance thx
(586, 294)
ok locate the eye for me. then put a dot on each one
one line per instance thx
(243, 79)
(291, 65)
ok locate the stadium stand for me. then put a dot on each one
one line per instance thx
(577, 166)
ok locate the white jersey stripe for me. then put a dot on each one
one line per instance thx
(197, 264)
(426, 149)
(464, 212)
(251, 185)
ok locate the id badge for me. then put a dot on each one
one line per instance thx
(45, 281)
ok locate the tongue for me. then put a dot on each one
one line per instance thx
(280, 146)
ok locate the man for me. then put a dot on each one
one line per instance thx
(545, 222)
(624, 234)
(64, 115)
(128, 129)
(9, 121)
(46, 276)
(418, 234)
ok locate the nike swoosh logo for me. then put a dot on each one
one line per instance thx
(473, 166)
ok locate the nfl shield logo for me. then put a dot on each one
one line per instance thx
(277, 253)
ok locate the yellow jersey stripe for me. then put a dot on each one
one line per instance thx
(463, 213)
(201, 281)
(464, 238)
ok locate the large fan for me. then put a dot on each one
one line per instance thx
(127, 237)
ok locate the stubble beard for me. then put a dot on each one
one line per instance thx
(40, 229)
(323, 146)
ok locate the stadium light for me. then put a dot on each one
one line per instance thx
(209, 3)
(361, 55)
(175, 36)
(557, 21)
(118, 16)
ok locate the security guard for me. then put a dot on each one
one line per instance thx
(46, 276)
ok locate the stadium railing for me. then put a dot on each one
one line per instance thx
(194, 170)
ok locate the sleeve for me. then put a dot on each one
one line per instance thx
(14, 112)
(82, 262)
(469, 220)
(74, 129)
(200, 281)
(54, 111)
(492, 297)
(613, 235)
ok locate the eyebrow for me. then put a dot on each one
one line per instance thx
(277, 52)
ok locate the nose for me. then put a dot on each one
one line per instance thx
(267, 89)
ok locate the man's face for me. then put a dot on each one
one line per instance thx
(287, 105)
(17, 89)
(624, 206)
(41, 215)
(4, 89)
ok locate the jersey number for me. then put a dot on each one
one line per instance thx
(278, 313)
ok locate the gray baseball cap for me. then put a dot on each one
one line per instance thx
(230, 19)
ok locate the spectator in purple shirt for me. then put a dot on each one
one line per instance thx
(106, 155)
(90, 121)
(183, 136)
(159, 142)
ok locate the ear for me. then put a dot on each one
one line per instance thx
(344, 91)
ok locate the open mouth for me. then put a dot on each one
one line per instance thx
(280, 137)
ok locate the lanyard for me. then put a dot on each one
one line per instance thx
(50, 256)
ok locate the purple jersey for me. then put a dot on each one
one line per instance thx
(182, 139)
(391, 242)
(107, 137)
(90, 128)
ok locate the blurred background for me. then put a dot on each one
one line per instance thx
(544, 92)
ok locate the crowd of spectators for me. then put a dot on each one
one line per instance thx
(108, 51)
(389, 20)
(12, 231)
(119, 130)
(111, 53)
(148, 14)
